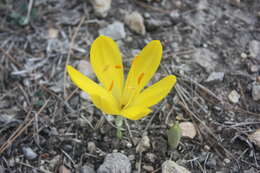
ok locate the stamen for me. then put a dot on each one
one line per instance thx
(111, 86)
(140, 78)
(106, 68)
(118, 66)
(135, 58)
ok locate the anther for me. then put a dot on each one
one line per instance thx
(118, 66)
(140, 78)
(111, 86)
(135, 58)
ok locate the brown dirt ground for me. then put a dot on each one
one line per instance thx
(39, 111)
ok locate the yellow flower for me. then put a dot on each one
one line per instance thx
(119, 97)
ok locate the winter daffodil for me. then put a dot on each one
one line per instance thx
(115, 95)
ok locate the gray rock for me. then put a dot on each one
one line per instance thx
(172, 167)
(148, 168)
(234, 96)
(101, 7)
(206, 59)
(215, 77)
(115, 163)
(115, 30)
(256, 92)
(86, 169)
(29, 153)
(143, 145)
(254, 48)
(151, 157)
(175, 16)
(92, 147)
(135, 21)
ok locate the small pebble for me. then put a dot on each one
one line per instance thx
(29, 153)
(254, 48)
(170, 166)
(53, 33)
(101, 7)
(175, 16)
(188, 129)
(243, 55)
(129, 145)
(150, 157)
(255, 137)
(148, 168)
(92, 147)
(254, 68)
(234, 96)
(206, 147)
(256, 92)
(131, 157)
(215, 77)
(115, 162)
(226, 160)
(135, 21)
(143, 145)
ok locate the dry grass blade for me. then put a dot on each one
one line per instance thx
(69, 54)
(21, 129)
(12, 59)
(206, 130)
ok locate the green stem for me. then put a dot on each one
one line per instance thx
(119, 124)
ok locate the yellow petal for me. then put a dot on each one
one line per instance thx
(103, 99)
(104, 104)
(143, 68)
(135, 112)
(155, 93)
(106, 61)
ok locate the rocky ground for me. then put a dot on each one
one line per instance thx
(48, 125)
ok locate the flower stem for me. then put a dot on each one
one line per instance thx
(119, 124)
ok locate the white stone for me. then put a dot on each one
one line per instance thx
(101, 7)
(215, 77)
(254, 48)
(256, 92)
(234, 96)
(115, 162)
(135, 21)
(144, 144)
(255, 137)
(53, 33)
(188, 129)
(29, 153)
(170, 166)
